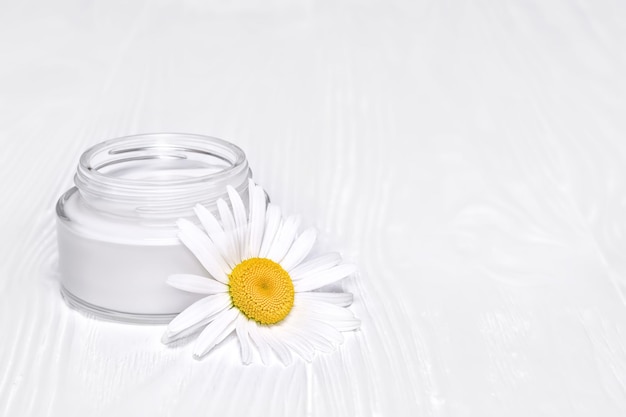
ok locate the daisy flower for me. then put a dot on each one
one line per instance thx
(261, 284)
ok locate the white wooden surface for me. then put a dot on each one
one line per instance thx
(469, 156)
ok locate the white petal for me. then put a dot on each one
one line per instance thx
(203, 310)
(347, 325)
(318, 341)
(168, 337)
(299, 250)
(216, 233)
(228, 221)
(322, 337)
(307, 329)
(315, 265)
(272, 224)
(298, 344)
(282, 353)
(341, 299)
(259, 341)
(244, 339)
(230, 229)
(340, 318)
(251, 186)
(341, 325)
(215, 332)
(196, 284)
(284, 238)
(241, 220)
(324, 330)
(204, 250)
(257, 220)
(208, 220)
(322, 309)
(321, 279)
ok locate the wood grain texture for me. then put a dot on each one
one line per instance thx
(469, 157)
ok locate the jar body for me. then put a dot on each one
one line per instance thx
(117, 233)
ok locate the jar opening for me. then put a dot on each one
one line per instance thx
(162, 165)
(159, 174)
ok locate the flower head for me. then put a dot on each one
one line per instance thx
(262, 286)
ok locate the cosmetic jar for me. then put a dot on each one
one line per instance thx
(117, 233)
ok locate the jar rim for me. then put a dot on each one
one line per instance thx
(160, 197)
(110, 146)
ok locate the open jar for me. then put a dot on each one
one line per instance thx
(116, 228)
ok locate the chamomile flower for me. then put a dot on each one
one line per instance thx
(262, 285)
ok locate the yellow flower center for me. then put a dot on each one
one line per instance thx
(262, 290)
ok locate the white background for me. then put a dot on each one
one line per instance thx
(470, 157)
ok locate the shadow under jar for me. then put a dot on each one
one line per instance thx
(117, 230)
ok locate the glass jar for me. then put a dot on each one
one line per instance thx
(117, 230)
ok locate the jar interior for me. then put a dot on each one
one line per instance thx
(165, 166)
(159, 163)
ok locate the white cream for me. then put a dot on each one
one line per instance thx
(116, 230)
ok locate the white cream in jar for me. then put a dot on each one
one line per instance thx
(117, 229)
